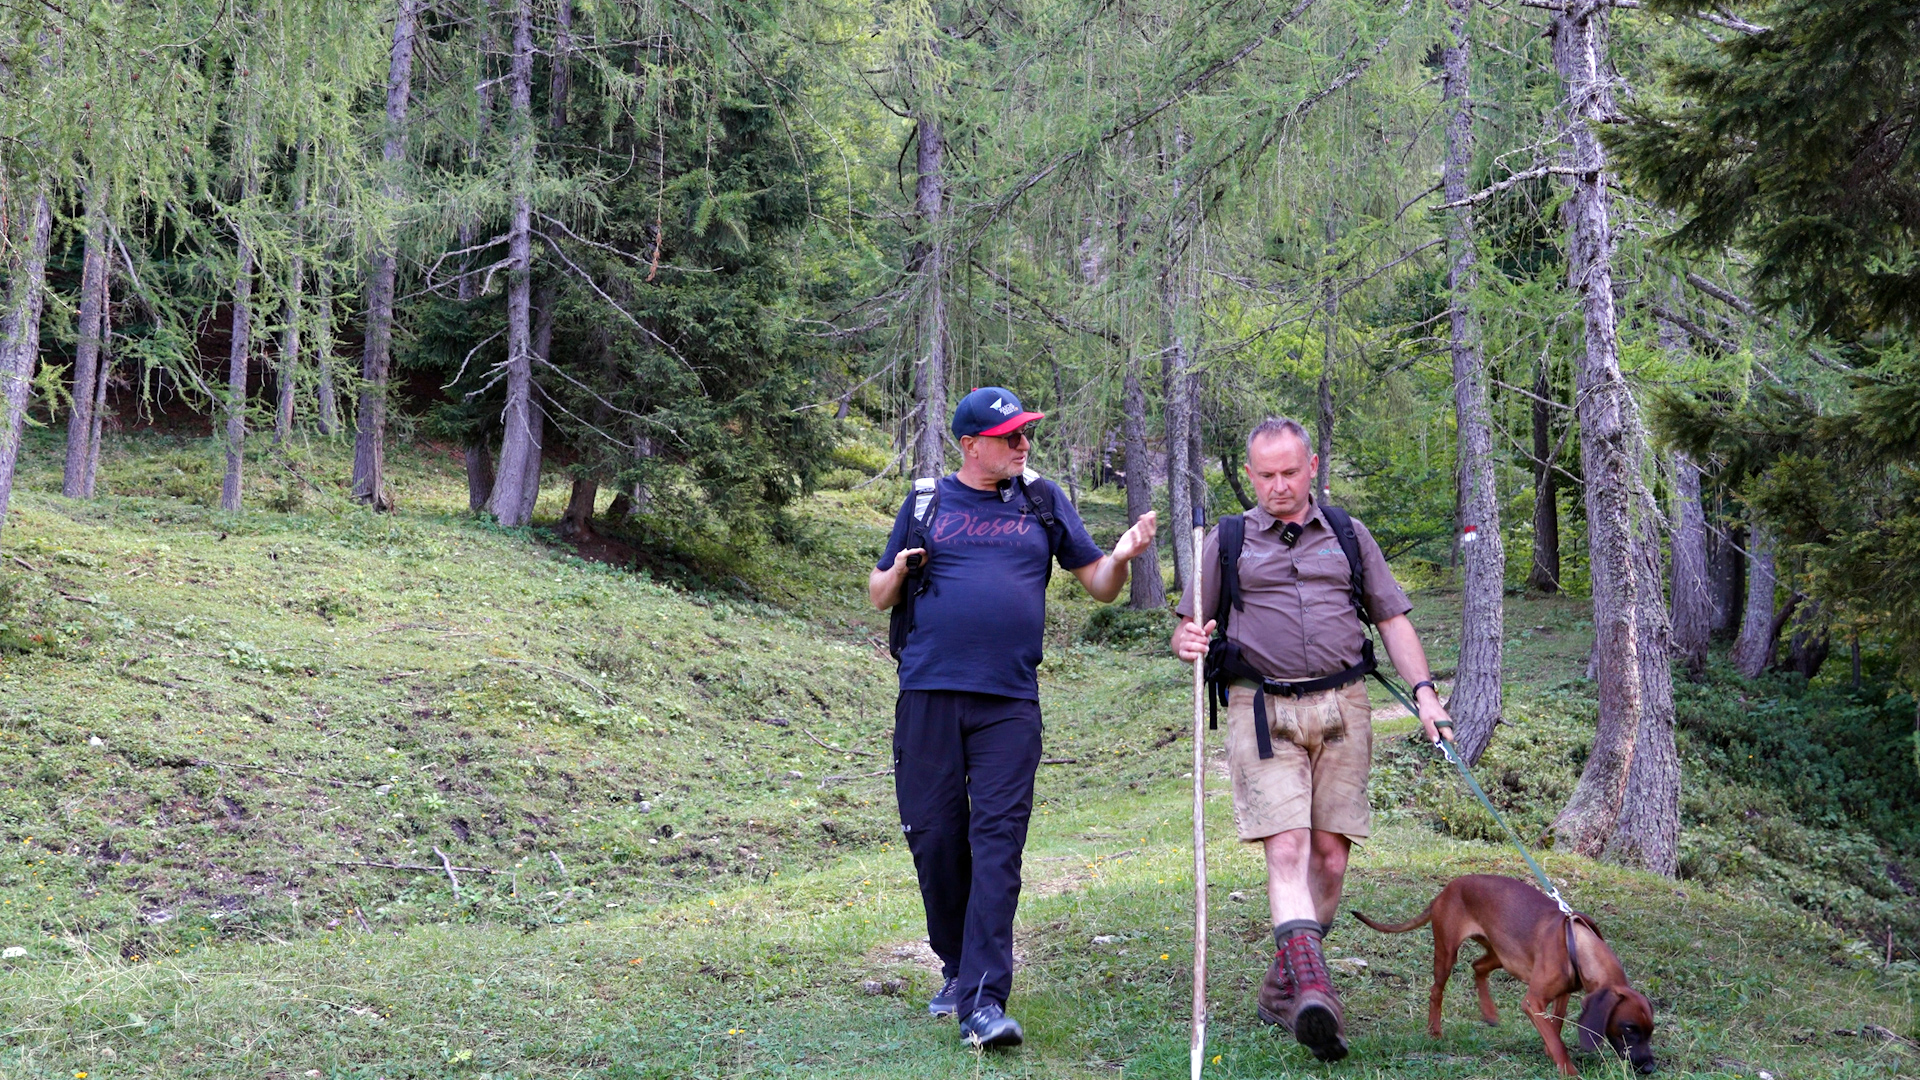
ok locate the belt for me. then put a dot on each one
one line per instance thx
(1262, 736)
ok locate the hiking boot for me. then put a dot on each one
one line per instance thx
(1275, 1003)
(946, 1002)
(1318, 1021)
(989, 1025)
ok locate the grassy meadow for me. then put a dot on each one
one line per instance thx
(311, 791)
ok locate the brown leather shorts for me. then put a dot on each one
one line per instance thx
(1317, 776)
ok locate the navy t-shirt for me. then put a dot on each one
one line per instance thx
(979, 624)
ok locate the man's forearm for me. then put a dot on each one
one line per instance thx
(1105, 578)
(1404, 649)
(883, 588)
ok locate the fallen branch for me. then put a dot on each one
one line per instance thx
(404, 866)
(825, 780)
(447, 865)
(604, 696)
(1059, 761)
(207, 763)
(1512, 181)
(835, 749)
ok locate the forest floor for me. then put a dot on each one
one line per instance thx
(241, 753)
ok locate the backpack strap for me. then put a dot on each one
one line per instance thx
(1233, 538)
(1349, 538)
(1224, 662)
(1036, 493)
(926, 506)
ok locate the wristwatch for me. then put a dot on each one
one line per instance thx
(1428, 683)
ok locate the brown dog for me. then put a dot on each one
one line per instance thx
(1525, 933)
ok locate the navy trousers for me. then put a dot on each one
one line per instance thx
(963, 773)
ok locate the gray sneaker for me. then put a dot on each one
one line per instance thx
(989, 1025)
(946, 1002)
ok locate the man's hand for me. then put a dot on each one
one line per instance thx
(884, 587)
(1432, 713)
(1137, 539)
(1190, 639)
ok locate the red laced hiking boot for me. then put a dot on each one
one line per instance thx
(1275, 1003)
(1318, 1021)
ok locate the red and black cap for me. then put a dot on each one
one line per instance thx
(991, 410)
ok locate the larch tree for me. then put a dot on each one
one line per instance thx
(509, 503)
(1475, 703)
(382, 271)
(1608, 444)
(94, 289)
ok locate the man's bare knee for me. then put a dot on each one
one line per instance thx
(1330, 851)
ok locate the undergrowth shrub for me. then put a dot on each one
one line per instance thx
(1114, 624)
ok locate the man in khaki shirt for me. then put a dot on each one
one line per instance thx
(1307, 802)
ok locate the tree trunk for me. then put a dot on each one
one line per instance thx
(577, 522)
(1726, 577)
(479, 472)
(1753, 650)
(370, 421)
(1146, 590)
(289, 354)
(1545, 575)
(290, 332)
(237, 356)
(1066, 449)
(1692, 597)
(20, 336)
(86, 360)
(543, 302)
(1607, 447)
(1176, 368)
(1323, 426)
(1178, 419)
(104, 370)
(1232, 473)
(1812, 640)
(1476, 700)
(930, 379)
(326, 403)
(518, 439)
(1647, 833)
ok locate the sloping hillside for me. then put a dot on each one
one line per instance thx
(243, 752)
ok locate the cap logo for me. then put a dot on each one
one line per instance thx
(1000, 406)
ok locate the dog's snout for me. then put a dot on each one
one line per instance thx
(1646, 1065)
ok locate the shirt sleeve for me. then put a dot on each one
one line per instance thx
(898, 538)
(1209, 578)
(1385, 597)
(1077, 549)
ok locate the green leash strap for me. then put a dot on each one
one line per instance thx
(1452, 754)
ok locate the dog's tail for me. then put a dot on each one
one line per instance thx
(1414, 923)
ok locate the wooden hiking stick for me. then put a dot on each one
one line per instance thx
(1199, 1049)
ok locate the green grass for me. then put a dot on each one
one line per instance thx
(283, 696)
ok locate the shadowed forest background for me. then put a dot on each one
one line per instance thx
(444, 441)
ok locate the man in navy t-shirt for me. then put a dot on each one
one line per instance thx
(966, 728)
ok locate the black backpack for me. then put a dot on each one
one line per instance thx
(1225, 662)
(1037, 495)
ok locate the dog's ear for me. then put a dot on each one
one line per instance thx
(1594, 1013)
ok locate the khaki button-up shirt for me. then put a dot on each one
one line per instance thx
(1299, 621)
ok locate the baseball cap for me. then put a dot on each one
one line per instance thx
(991, 410)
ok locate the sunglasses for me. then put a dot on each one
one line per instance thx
(1015, 439)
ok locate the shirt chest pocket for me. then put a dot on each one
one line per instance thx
(1323, 566)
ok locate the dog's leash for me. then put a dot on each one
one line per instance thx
(1452, 753)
